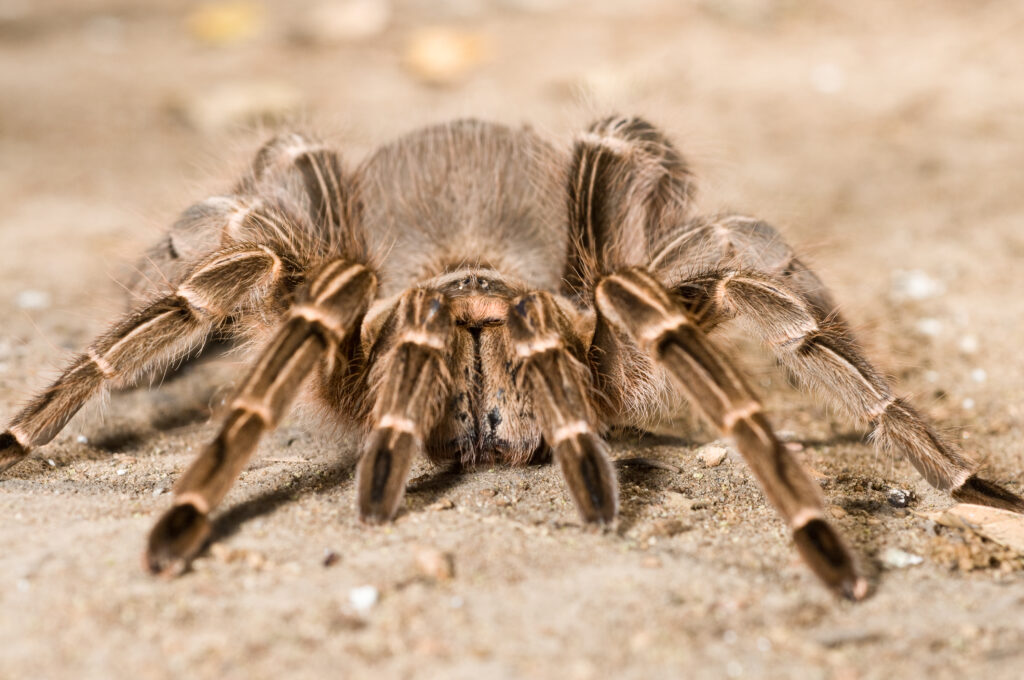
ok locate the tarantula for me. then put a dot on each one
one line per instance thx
(475, 293)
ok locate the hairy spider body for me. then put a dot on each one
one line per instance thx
(476, 294)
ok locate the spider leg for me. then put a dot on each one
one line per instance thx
(160, 332)
(629, 190)
(327, 311)
(786, 305)
(627, 183)
(635, 304)
(412, 383)
(559, 383)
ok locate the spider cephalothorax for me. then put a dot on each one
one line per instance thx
(473, 293)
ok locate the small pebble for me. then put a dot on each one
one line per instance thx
(443, 56)
(443, 504)
(968, 344)
(82, 439)
(914, 285)
(122, 471)
(225, 23)
(363, 598)
(979, 375)
(929, 327)
(51, 462)
(899, 498)
(837, 511)
(967, 403)
(32, 299)
(894, 558)
(159, 490)
(330, 23)
(331, 558)
(435, 564)
(712, 455)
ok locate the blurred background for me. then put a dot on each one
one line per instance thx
(886, 140)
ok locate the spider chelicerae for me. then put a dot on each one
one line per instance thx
(477, 294)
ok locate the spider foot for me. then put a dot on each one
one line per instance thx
(176, 539)
(590, 476)
(382, 473)
(11, 451)
(829, 558)
(982, 492)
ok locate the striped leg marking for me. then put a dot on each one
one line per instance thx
(636, 303)
(559, 384)
(340, 293)
(414, 385)
(157, 334)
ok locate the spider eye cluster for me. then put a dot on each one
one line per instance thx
(475, 283)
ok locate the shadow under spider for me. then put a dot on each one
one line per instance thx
(429, 488)
(636, 472)
(313, 481)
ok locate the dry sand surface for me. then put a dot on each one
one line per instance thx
(885, 139)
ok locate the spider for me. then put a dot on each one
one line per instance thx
(477, 294)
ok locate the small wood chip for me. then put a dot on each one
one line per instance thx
(999, 526)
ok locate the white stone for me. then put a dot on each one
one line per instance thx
(363, 598)
(32, 299)
(914, 285)
(929, 327)
(894, 558)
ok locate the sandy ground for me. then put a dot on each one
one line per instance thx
(881, 137)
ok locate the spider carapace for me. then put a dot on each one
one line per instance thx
(473, 292)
